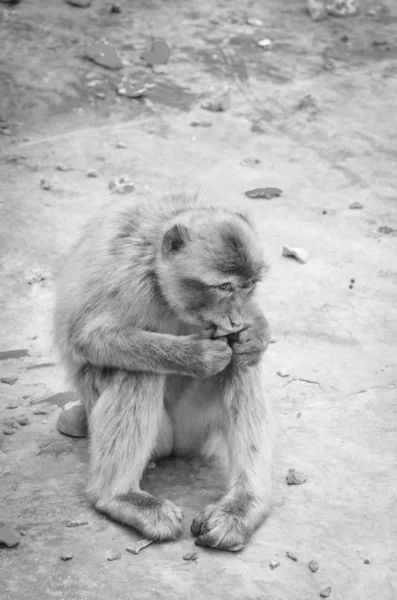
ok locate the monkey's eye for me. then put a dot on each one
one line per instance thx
(225, 287)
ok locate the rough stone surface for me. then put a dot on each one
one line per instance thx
(344, 339)
(104, 54)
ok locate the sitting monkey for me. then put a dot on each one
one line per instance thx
(160, 335)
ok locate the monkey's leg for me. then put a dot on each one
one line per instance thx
(124, 424)
(228, 523)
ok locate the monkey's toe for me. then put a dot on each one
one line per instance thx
(217, 528)
(165, 523)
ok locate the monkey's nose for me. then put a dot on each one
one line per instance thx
(236, 325)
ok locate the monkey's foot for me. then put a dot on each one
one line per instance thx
(226, 525)
(154, 519)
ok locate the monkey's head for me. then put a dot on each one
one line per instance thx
(208, 267)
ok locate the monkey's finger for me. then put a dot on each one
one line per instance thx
(203, 334)
(195, 527)
(209, 541)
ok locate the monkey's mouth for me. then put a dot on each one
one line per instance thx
(220, 331)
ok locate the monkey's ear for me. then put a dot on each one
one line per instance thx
(174, 239)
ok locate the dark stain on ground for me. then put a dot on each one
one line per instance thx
(13, 354)
(170, 94)
(243, 60)
(375, 52)
(235, 64)
(41, 366)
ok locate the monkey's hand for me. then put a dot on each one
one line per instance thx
(249, 344)
(211, 355)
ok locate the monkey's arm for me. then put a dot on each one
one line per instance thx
(138, 350)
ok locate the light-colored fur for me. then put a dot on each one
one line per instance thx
(152, 383)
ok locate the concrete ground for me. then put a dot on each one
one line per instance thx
(337, 408)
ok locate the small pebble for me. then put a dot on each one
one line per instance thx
(257, 128)
(366, 562)
(254, 22)
(313, 566)
(160, 69)
(115, 9)
(371, 13)
(122, 185)
(291, 555)
(329, 64)
(386, 229)
(136, 548)
(9, 380)
(342, 8)
(92, 174)
(22, 533)
(326, 592)
(317, 10)
(203, 123)
(66, 556)
(265, 44)
(219, 101)
(64, 168)
(159, 53)
(250, 162)
(114, 556)
(132, 90)
(79, 3)
(282, 373)
(273, 564)
(308, 102)
(300, 254)
(352, 280)
(356, 206)
(102, 53)
(298, 415)
(8, 430)
(45, 185)
(94, 83)
(190, 556)
(325, 212)
(121, 145)
(40, 410)
(75, 523)
(295, 477)
(13, 404)
(266, 193)
(100, 95)
(344, 38)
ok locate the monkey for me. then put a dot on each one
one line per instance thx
(159, 330)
